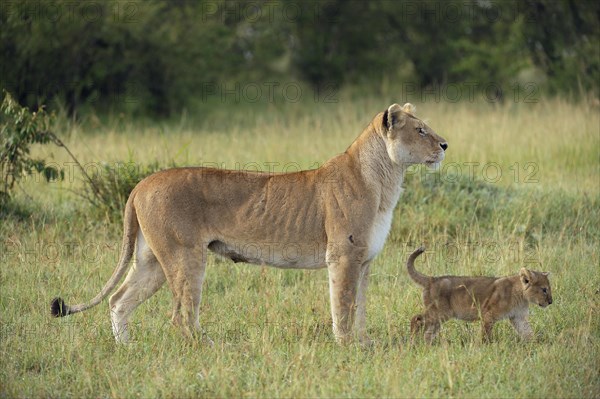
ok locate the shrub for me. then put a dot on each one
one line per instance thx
(19, 130)
(107, 191)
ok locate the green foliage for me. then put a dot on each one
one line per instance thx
(565, 46)
(130, 56)
(19, 130)
(159, 57)
(107, 190)
(453, 202)
(342, 41)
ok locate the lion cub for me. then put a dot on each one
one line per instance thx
(488, 299)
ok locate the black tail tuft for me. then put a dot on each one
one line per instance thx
(58, 308)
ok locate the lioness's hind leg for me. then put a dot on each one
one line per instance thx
(143, 280)
(185, 275)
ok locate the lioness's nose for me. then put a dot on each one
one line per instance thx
(444, 146)
(550, 301)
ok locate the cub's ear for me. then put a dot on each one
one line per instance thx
(525, 276)
(546, 274)
(394, 117)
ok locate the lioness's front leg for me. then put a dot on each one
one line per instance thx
(343, 265)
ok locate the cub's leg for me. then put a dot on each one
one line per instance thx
(417, 324)
(487, 324)
(430, 321)
(343, 266)
(432, 327)
(361, 311)
(521, 324)
(144, 278)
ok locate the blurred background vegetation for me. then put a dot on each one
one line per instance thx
(159, 58)
(101, 93)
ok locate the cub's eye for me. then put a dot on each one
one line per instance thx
(544, 290)
(421, 131)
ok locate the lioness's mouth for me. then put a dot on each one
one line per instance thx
(435, 161)
(434, 164)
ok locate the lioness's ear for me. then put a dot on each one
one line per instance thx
(394, 117)
(525, 276)
(547, 274)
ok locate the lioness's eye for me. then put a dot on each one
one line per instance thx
(544, 290)
(421, 131)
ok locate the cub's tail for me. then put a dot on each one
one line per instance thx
(417, 277)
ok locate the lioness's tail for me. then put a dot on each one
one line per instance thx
(417, 277)
(58, 308)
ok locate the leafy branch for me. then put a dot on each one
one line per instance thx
(19, 129)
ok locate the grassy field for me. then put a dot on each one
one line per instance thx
(520, 187)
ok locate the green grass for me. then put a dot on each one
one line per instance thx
(272, 327)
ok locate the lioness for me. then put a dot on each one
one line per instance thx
(488, 299)
(337, 216)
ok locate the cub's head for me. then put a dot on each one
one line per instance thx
(536, 287)
(409, 140)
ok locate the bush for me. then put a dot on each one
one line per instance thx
(453, 206)
(19, 129)
(108, 190)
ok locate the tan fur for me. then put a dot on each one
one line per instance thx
(336, 216)
(488, 299)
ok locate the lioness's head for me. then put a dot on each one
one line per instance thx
(409, 140)
(536, 287)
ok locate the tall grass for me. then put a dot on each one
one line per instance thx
(272, 327)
